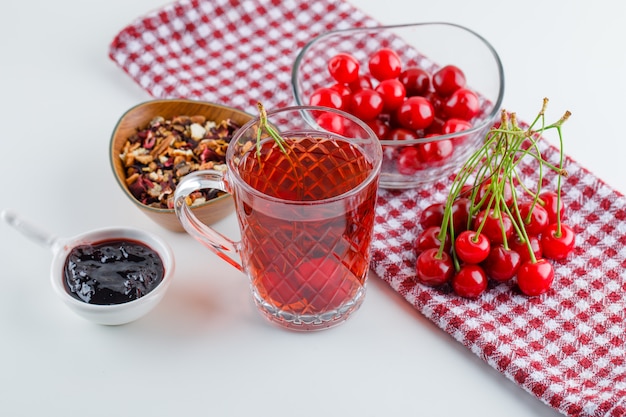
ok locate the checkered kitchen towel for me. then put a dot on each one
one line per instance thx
(566, 347)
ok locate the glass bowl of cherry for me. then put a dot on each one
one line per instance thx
(429, 91)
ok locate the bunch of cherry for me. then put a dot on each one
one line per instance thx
(494, 225)
(401, 103)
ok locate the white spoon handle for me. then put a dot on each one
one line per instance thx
(34, 233)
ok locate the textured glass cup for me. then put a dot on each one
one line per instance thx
(305, 212)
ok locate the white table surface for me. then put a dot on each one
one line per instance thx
(205, 350)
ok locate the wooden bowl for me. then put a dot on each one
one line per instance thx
(140, 116)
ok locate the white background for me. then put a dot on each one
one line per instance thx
(205, 350)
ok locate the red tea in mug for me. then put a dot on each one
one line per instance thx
(305, 213)
(307, 250)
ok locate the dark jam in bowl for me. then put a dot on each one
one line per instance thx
(112, 271)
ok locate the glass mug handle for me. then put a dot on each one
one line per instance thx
(209, 237)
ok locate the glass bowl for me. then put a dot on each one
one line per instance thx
(429, 46)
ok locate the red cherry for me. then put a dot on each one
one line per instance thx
(416, 81)
(462, 104)
(502, 264)
(435, 152)
(536, 278)
(470, 281)
(393, 94)
(486, 190)
(437, 101)
(385, 64)
(521, 247)
(345, 93)
(497, 227)
(466, 190)
(407, 161)
(327, 97)
(432, 215)
(429, 238)
(436, 127)
(472, 248)
(363, 81)
(534, 216)
(448, 79)
(366, 104)
(455, 125)
(331, 122)
(452, 126)
(344, 68)
(557, 246)
(461, 214)
(549, 200)
(401, 133)
(433, 270)
(415, 113)
(380, 127)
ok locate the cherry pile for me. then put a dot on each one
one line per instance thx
(496, 225)
(400, 103)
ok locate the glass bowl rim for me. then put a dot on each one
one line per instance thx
(489, 118)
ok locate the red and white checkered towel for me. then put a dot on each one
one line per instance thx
(567, 347)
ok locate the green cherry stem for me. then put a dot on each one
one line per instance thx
(496, 166)
(264, 125)
(566, 116)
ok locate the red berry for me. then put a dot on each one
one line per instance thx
(432, 215)
(435, 152)
(434, 270)
(520, 246)
(535, 278)
(380, 127)
(416, 81)
(327, 97)
(385, 64)
(462, 104)
(452, 126)
(402, 133)
(429, 238)
(472, 248)
(502, 264)
(549, 200)
(407, 161)
(455, 126)
(344, 68)
(470, 281)
(363, 81)
(502, 189)
(415, 113)
(461, 214)
(331, 122)
(557, 246)
(436, 127)
(534, 216)
(393, 94)
(448, 79)
(497, 227)
(345, 93)
(366, 104)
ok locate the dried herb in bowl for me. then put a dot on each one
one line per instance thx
(158, 155)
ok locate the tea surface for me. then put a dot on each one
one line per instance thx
(307, 259)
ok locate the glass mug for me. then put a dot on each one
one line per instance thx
(305, 213)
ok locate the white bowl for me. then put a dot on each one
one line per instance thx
(113, 314)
